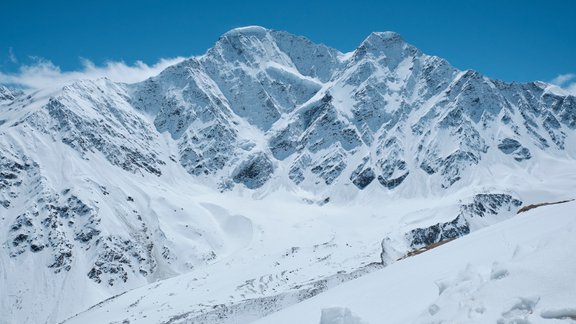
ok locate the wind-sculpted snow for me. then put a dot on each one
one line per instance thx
(114, 186)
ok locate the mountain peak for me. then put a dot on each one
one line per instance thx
(383, 39)
(249, 44)
(388, 44)
(389, 36)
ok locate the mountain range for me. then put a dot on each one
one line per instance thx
(258, 175)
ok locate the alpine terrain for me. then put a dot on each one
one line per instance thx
(274, 180)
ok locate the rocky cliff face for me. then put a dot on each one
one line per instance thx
(91, 177)
(384, 112)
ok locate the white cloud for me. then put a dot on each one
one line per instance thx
(566, 81)
(12, 56)
(563, 78)
(44, 74)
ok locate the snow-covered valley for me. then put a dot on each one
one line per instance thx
(273, 178)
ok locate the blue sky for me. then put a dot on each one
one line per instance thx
(507, 40)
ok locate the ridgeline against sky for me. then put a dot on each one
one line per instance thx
(508, 40)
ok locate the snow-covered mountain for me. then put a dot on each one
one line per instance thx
(258, 175)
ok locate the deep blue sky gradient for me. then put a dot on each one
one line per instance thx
(508, 40)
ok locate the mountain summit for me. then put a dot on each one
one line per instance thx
(113, 186)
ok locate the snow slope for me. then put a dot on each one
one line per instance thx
(518, 271)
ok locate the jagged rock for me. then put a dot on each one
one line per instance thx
(486, 206)
(118, 259)
(330, 167)
(490, 204)
(361, 178)
(392, 183)
(509, 145)
(514, 148)
(254, 172)
(438, 232)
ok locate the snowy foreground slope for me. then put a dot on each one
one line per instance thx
(519, 271)
(261, 174)
(521, 268)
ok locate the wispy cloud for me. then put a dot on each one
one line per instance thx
(44, 74)
(566, 81)
(12, 56)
